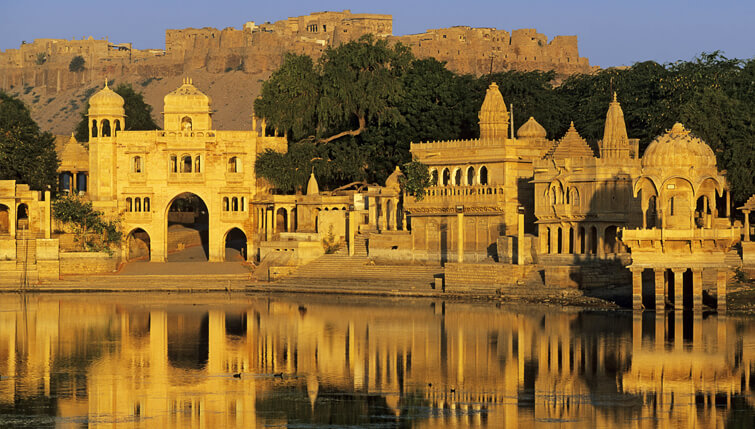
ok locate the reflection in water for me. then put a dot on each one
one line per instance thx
(97, 360)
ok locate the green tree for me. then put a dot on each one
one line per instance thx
(138, 113)
(76, 64)
(41, 58)
(27, 155)
(416, 179)
(90, 229)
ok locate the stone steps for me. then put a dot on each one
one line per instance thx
(26, 253)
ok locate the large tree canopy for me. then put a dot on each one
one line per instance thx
(138, 113)
(369, 100)
(27, 155)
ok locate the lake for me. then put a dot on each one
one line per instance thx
(226, 361)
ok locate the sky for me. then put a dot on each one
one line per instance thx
(610, 33)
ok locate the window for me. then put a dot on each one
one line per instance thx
(137, 167)
(434, 178)
(457, 177)
(483, 175)
(173, 164)
(197, 165)
(129, 205)
(146, 204)
(243, 204)
(233, 166)
(138, 204)
(117, 125)
(186, 164)
(105, 128)
(234, 204)
(446, 177)
(470, 176)
(186, 124)
(94, 128)
(225, 204)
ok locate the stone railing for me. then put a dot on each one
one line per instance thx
(657, 234)
(463, 194)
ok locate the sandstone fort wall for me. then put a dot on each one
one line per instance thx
(260, 48)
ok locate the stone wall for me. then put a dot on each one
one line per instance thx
(259, 49)
(79, 263)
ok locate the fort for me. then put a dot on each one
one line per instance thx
(259, 48)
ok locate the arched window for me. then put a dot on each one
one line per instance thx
(235, 204)
(117, 125)
(146, 204)
(105, 128)
(225, 204)
(233, 166)
(186, 164)
(137, 168)
(4, 219)
(483, 175)
(138, 204)
(574, 197)
(457, 177)
(173, 164)
(197, 164)
(446, 178)
(129, 205)
(433, 177)
(186, 124)
(94, 128)
(470, 176)
(243, 204)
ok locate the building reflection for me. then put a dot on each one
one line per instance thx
(113, 362)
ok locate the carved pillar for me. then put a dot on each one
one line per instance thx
(290, 219)
(637, 288)
(697, 289)
(269, 222)
(660, 289)
(575, 238)
(601, 242)
(383, 215)
(679, 288)
(721, 291)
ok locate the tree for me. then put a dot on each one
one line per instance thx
(27, 155)
(416, 179)
(41, 58)
(89, 228)
(138, 113)
(76, 64)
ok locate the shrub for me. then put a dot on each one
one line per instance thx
(76, 64)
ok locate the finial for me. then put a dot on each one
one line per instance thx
(105, 82)
(614, 96)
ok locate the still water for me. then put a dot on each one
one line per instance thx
(224, 361)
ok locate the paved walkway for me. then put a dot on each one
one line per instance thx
(188, 262)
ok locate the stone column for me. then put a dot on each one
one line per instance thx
(48, 218)
(275, 219)
(520, 239)
(728, 204)
(721, 291)
(660, 289)
(601, 242)
(460, 238)
(575, 239)
(697, 289)
(383, 216)
(352, 225)
(565, 239)
(637, 288)
(290, 219)
(372, 211)
(679, 288)
(554, 241)
(747, 225)
(542, 235)
(269, 222)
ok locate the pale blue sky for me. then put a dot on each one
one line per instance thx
(610, 32)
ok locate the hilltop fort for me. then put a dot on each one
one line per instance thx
(259, 48)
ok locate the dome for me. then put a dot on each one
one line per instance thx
(393, 180)
(187, 99)
(106, 102)
(678, 148)
(531, 130)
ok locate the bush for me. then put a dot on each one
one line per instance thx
(41, 58)
(76, 64)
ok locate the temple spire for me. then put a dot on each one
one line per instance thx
(615, 143)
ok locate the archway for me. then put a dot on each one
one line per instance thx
(4, 219)
(470, 176)
(281, 220)
(22, 216)
(483, 175)
(611, 243)
(187, 229)
(235, 246)
(138, 246)
(446, 177)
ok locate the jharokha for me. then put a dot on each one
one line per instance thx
(259, 48)
(507, 213)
